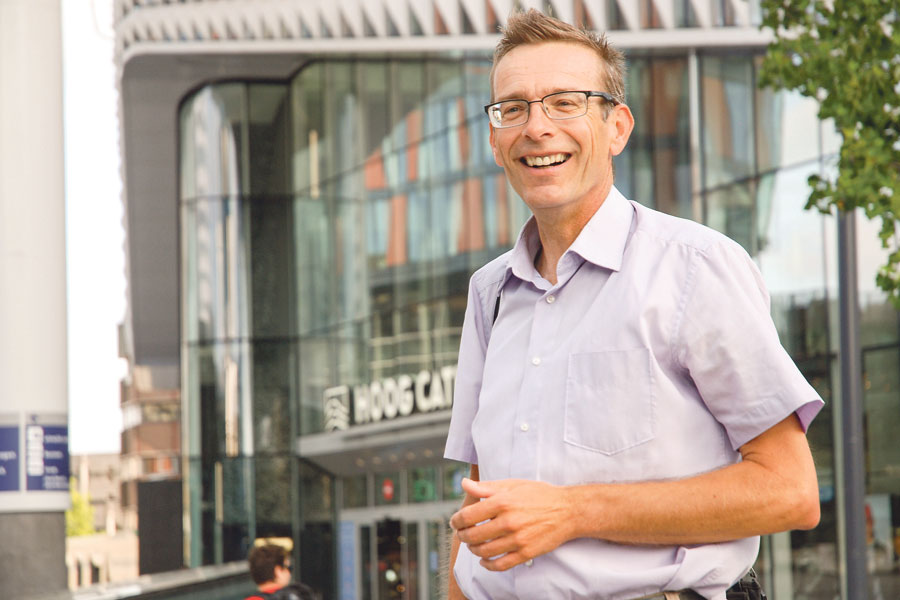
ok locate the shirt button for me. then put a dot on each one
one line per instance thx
(551, 299)
(529, 562)
(524, 426)
(536, 360)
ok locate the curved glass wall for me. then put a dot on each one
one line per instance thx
(330, 223)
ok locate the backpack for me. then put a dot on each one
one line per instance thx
(292, 591)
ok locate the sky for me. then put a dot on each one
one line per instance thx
(94, 230)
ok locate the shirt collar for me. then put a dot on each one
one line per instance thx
(602, 241)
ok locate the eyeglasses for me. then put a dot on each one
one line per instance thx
(558, 106)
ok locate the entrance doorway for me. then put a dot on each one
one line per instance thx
(394, 556)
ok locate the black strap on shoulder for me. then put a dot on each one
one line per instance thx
(497, 306)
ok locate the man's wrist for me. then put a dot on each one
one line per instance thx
(575, 501)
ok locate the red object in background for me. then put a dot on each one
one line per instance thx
(387, 490)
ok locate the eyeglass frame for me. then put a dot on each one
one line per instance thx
(587, 96)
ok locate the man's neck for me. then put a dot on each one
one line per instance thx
(269, 587)
(558, 229)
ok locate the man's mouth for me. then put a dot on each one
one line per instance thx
(548, 160)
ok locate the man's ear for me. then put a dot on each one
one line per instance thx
(621, 122)
(494, 150)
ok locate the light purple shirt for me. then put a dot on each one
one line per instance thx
(653, 357)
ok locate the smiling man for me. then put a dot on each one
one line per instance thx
(632, 422)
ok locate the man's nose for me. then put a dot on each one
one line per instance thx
(538, 123)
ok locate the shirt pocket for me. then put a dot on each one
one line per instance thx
(610, 406)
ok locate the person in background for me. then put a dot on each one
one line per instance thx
(270, 568)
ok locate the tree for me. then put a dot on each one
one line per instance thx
(846, 54)
(80, 517)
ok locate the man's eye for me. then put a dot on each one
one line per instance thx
(564, 103)
(511, 110)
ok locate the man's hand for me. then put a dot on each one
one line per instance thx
(518, 519)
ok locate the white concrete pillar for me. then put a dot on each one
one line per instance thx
(33, 370)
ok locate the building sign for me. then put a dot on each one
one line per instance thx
(389, 398)
(9, 457)
(46, 456)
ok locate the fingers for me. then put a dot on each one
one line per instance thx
(476, 489)
(505, 562)
(495, 547)
(486, 531)
(473, 515)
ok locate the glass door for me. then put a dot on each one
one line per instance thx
(388, 557)
(390, 580)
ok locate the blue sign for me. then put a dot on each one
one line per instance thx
(47, 458)
(9, 458)
(347, 559)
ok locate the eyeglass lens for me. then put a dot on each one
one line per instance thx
(562, 105)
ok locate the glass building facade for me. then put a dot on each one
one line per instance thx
(329, 224)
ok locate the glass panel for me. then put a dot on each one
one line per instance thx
(376, 113)
(671, 135)
(438, 555)
(453, 476)
(881, 384)
(219, 268)
(187, 168)
(355, 491)
(316, 376)
(341, 127)
(423, 484)
(444, 107)
(791, 249)
(633, 171)
(407, 93)
(271, 245)
(655, 167)
(349, 268)
(274, 494)
(212, 141)
(365, 562)
(390, 583)
(412, 560)
(387, 488)
(273, 433)
(476, 74)
(787, 128)
(267, 135)
(237, 494)
(307, 98)
(731, 210)
(727, 92)
(190, 302)
(317, 543)
(313, 238)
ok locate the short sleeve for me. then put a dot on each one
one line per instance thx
(470, 368)
(728, 343)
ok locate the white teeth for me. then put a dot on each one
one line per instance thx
(543, 161)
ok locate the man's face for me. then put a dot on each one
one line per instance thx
(580, 148)
(283, 574)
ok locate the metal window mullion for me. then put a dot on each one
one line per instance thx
(696, 140)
